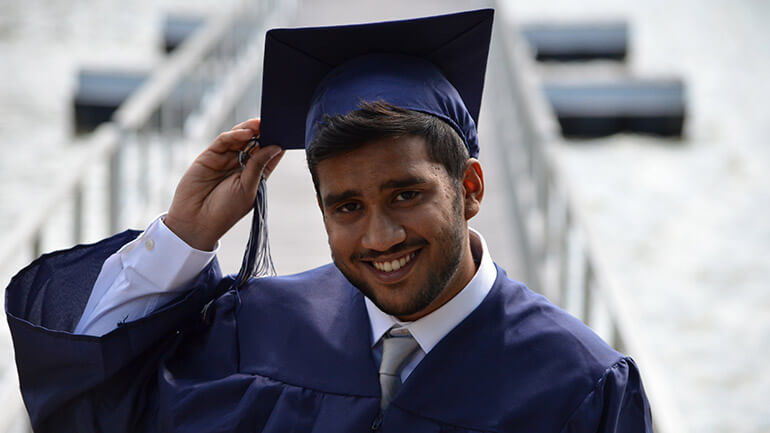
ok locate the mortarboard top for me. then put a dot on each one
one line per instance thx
(445, 56)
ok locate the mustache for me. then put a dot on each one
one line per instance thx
(395, 249)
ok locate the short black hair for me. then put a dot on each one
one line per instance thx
(344, 133)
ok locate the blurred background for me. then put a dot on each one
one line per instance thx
(625, 146)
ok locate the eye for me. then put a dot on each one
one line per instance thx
(349, 207)
(407, 195)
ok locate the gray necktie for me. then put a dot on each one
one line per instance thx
(397, 346)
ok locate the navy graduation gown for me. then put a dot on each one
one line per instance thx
(292, 354)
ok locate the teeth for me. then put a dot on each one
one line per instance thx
(395, 264)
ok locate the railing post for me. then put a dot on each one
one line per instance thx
(615, 341)
(116, 185)
(587, 290)
(545, 205)
(77, 213)
(138, 140)
(564, 255)
(37, 244)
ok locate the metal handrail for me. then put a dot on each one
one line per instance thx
(132, 116)
(39, 211)
(556, 237)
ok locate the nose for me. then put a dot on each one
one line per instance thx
(382, 232)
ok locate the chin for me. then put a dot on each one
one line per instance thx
(400, 309)
(402, 304)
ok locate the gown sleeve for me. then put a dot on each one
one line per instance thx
(144, 274)
(617, 404)
(80, 383)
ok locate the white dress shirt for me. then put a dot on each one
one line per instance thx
(149, 272)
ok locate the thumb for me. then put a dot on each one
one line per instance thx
(256, 164)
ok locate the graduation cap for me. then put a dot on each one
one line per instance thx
(434, 65)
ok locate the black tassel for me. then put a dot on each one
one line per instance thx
(257, 261)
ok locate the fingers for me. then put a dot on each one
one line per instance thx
(263, 159)
(273, 163)
(235, 139)
(231, 141)
(252, 124)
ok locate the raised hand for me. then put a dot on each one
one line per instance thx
(215, 192)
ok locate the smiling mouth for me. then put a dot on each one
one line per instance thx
(395, 264)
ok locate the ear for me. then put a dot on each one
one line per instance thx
(473, 187)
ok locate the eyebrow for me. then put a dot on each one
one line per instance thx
(403, 183)
(334, 198)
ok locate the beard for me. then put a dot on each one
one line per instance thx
(449, 243)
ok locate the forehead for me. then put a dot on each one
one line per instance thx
(377, 162)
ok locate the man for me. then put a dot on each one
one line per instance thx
(412, 329)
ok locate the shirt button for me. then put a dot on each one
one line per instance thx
(149, 244)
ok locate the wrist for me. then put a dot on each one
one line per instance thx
(191, 234)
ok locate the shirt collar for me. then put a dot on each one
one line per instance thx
(430, 329)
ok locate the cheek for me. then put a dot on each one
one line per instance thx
(340, 237)
(441, 211)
